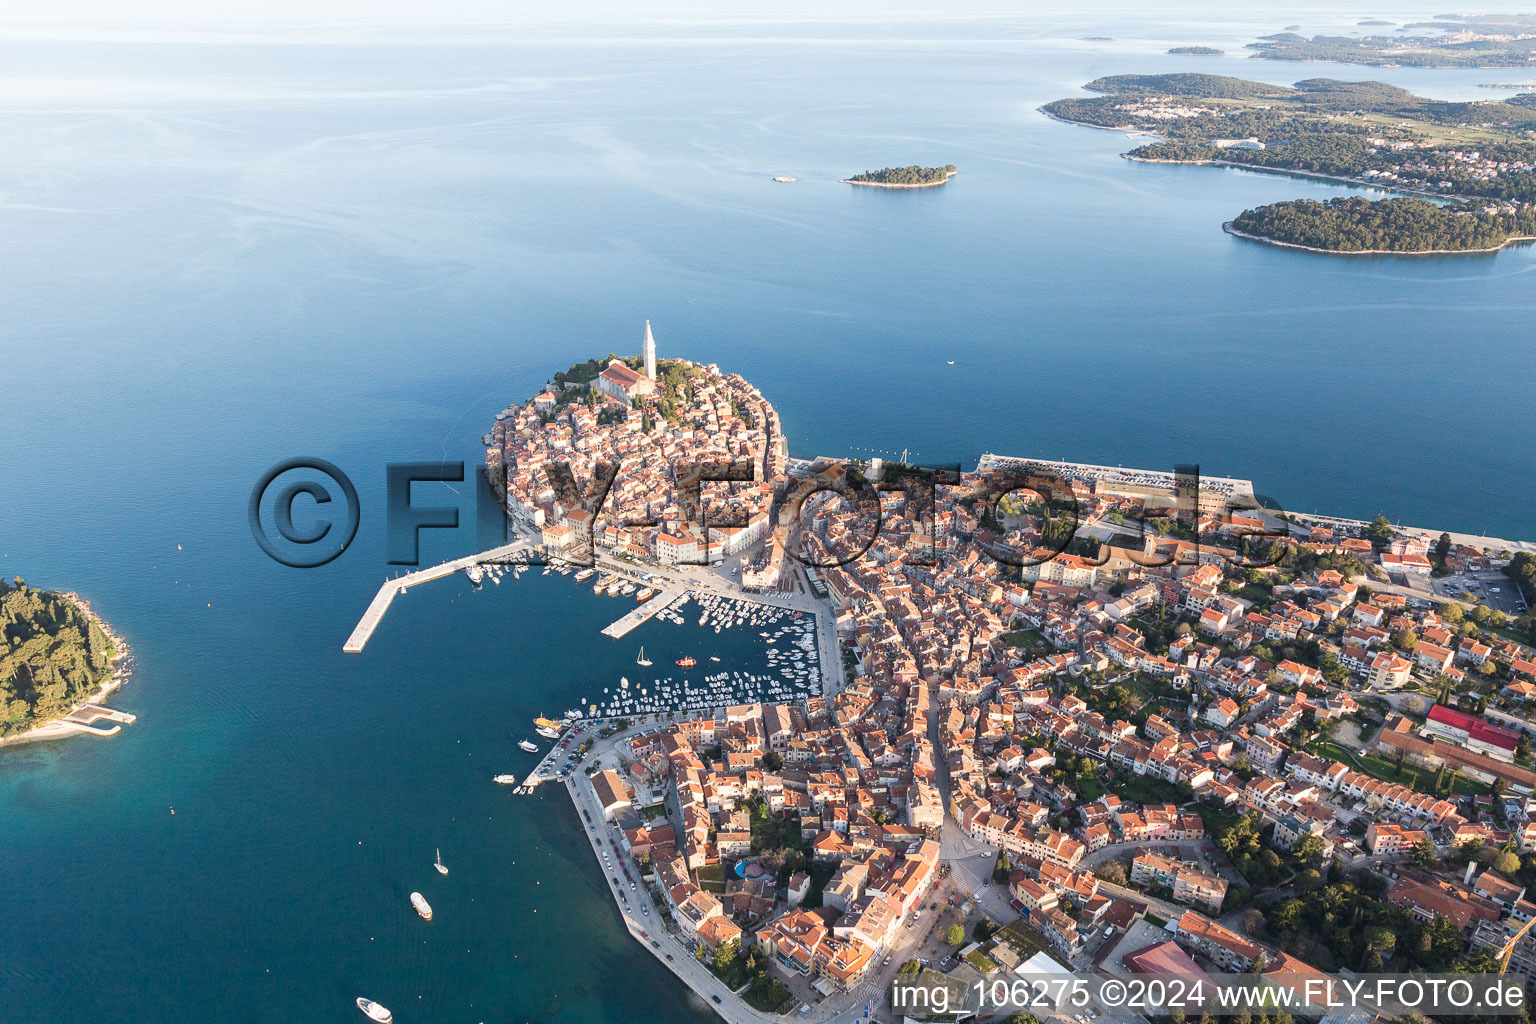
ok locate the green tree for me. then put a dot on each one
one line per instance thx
(1423, 854)
(725, 956)
(1379, 532)
(954, 935)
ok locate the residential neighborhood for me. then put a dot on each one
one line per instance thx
(1157, 714)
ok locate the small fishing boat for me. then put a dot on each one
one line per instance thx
(442, 868)
(687, 662)
(422, 906)
(528, 746)
(374, 1011)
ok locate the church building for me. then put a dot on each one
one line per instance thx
(623, 383)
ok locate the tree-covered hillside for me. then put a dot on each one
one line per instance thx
(1352, 224)
(51, 656)
(913, 175)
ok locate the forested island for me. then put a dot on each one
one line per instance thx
(1477, 157)
(1198, 51)
(1350, 224)
(54, 653)
(904, 177)
(1459, 41)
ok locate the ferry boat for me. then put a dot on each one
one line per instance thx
(442, 868)
(584, 575)
(528, 746)
(375, 1012)
(505, 780)
(422, 906)
(646, 594)
(688, 662)
(550, 730)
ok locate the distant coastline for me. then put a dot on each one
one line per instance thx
(121, 662)
(1338, 179)
(1307, 130)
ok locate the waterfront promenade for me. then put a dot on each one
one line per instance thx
(650, 929)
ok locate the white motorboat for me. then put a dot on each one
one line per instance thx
(374, 1011)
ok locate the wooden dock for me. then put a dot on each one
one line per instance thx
(642, 613)
(390, 589)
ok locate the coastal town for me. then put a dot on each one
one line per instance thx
(1085, 718)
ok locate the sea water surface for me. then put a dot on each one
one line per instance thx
(225, 253)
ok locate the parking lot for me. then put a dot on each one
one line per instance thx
(1489, 587)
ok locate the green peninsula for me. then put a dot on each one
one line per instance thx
(1476, 159)
(54, 653)
(1351, 224)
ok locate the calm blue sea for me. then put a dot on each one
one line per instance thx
(223, 254)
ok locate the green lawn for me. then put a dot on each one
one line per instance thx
(1143, 790)
(1026, 638)
(821, 874)
(1088, 788)
(1025, 940)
